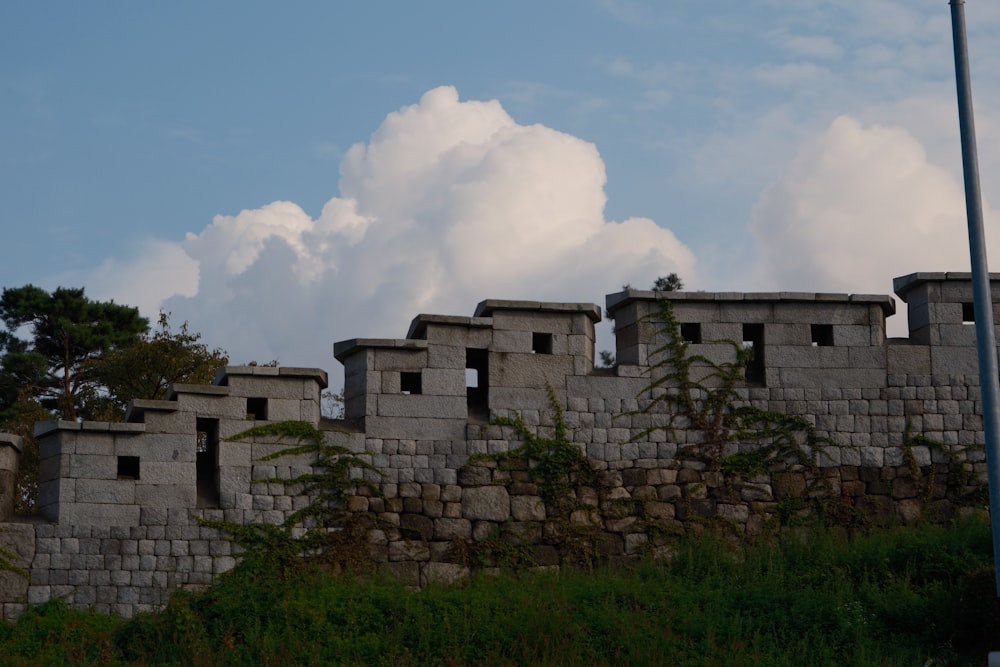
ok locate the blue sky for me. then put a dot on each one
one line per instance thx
(198, 156)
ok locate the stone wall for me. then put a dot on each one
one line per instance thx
(898, 420)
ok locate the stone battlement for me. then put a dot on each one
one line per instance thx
(121, 502)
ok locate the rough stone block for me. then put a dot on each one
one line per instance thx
(444, 382)
(105, 491)
(100, 514)
(160, 474)
(423, 406)
(400, 359)
(166, 495)
(444, 573)
(527, 508)
(486, 503)
(89, 466)
(957, 360)
(806, 356)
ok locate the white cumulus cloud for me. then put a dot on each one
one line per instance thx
(858, 206)
(449, 202)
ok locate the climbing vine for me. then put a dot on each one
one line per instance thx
(925, 485)
(555, 464)
(7, 558)
(324, 529)
(695, 393)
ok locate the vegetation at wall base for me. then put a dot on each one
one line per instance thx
(904, 596)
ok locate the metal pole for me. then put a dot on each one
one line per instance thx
(989, 379)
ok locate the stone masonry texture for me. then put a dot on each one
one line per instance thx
(896, 427)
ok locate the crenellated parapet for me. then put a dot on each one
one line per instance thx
(121, 502)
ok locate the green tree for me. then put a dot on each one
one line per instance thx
(147, 367)
(669, 283)
(20, 420)
(69, 333)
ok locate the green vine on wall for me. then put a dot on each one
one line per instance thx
(559, 469)
(704, 403)
(555, 464)
(925, 486)
(7, 558)
(324, 529)
(698, 394)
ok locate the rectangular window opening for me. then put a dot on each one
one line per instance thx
(207, 461)
(128, 467)
(257, 408)
(691, 332)
(541, 343)
(409, 382)
(477, 384)
(753, 340)
(822, 335)
(968, 313)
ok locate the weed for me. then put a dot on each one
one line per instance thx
(323, 530)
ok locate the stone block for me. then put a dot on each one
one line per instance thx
(958, 335)
(409, 427)
(170, 422)
(423, 406)
(782, 334)
(105, 491)
(529, 370)
(222, 407)
(160, 447)
(518, 342)
(746, 311)
(823, 377)
(486, 503)
(859, 335)
(400, 359)
(954, 361)
(159, 473)
(527, 508)
(444, 382)
(806, 356)
(441, 355)
(92, 466)
(443, 573)
(408, 550)
(532, 320)
(283, 409)
(95, 442)
(166, 495)
(234, 481)
(867, 357)
(99, 514)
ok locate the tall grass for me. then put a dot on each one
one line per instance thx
(918, 596)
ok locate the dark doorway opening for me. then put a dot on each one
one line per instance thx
(207, 462)
(477, 383)
(753, 340)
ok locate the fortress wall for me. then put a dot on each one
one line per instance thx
(122, 502)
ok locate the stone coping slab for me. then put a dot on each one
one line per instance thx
(204, 389)
(46, 427)
(418, 327)
(15, 441)
(345, 348)
(621, 299)
(489, 306)
(138, 407)
(904, 284)
(317, 374)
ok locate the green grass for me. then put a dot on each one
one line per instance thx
(917, 596)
